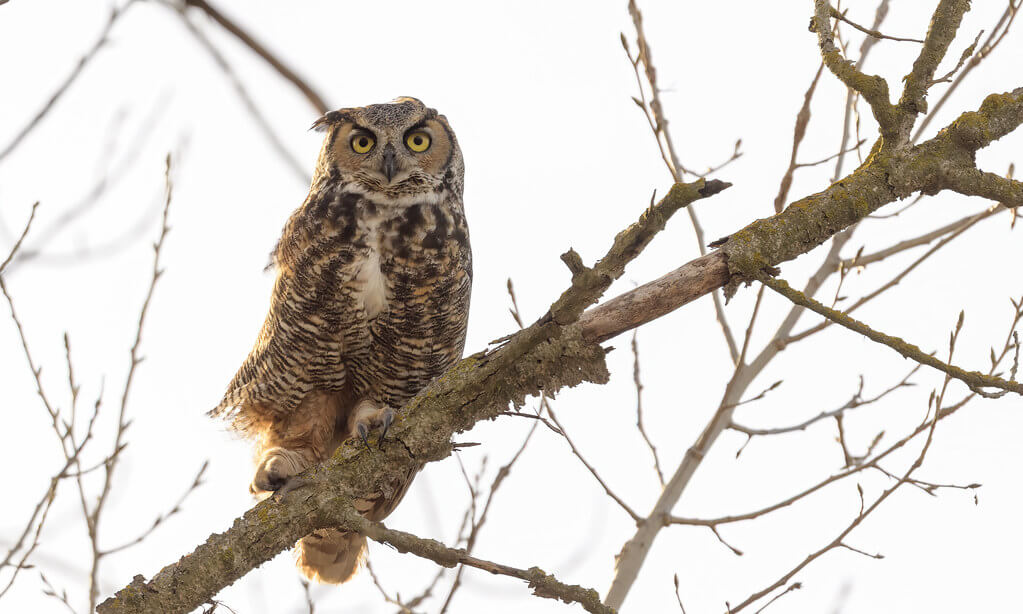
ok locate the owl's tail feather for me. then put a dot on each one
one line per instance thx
(330, 556)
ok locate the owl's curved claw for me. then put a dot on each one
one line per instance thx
(290, 483)
(275, 471)
(363, 432)
(386, 420)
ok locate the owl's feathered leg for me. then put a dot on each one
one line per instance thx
(293, 445)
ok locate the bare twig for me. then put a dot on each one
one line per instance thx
(871, 32)
(854, 402)
(659, 126)
(21, 238)
(639, 407)
(589, 467)
(974, 380)
(247, 101)
(115, 14)
(542, 583)
(196, 483)
(249, 41)
(802, 121)
(122, 424)
(990, 44)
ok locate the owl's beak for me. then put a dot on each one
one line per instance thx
(387, 165)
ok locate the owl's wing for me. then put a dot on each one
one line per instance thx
(299, 348)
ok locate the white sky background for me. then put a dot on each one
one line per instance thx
(557, 155)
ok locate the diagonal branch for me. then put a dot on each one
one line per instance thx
(249, 41)
(83, 61)
(542, 583)
(975, 380)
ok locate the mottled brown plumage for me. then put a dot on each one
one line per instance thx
(370, 304)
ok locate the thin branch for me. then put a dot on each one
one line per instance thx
(802, 121)
(115, 14)
(854, 402)
(924, 239)
(873, 88)
(247, 100)
(990, 44)
(659, 126)
(21, 238)
(962, 60)
(477, 524)
(122, 423)
(639, 407)
(196, 483)
(860, 517)
(249, 41)
(589, 467)
(871, 32)
(784, 341)
(542, 583)
(974, 380)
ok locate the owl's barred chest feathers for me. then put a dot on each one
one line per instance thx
(385, 285)
(388, 249)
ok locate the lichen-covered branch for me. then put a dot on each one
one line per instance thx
(1004, 190)
(542, 583)
(889, 173)
(976, 380)
(544, 357)
(942, 31)
(998, 115)
(873, 88)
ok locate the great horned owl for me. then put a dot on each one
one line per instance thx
(370, 305)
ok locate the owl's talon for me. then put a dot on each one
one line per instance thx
(363, 431)
(369, 415)
(385, 420)
(275, 471)
(290, 483)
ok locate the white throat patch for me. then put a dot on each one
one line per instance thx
(372, 292)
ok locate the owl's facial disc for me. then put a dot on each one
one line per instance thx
(405, 155)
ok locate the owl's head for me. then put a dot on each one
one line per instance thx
(394, 150)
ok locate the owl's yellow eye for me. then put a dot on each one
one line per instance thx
(362, 143)
(418, 141)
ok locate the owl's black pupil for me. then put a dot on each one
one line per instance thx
(363, 142)
(418, 140)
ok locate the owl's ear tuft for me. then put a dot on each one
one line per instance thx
(326, 121)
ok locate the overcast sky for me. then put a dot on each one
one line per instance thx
(557, 155)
